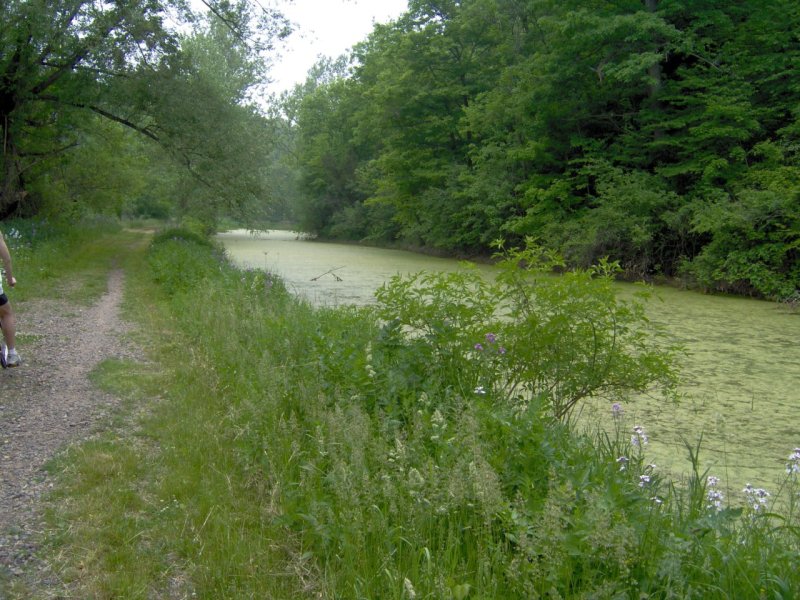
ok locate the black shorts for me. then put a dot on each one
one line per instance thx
(3, 299)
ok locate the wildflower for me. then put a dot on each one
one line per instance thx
(793, 466)
(644, 480)
(756, 497)
(410, 592)
(639, 437)
(491, 338)
(501, 350)
(622, 461)
(479, 347)
(480, 390)
(657, 500)
(616, 410)
(713, 496)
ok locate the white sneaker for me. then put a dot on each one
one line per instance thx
(13, 359)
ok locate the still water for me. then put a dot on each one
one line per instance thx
(741, 388)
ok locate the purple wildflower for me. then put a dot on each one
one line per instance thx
(713, 496)
(756, 497)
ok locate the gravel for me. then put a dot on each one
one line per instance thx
(46, 405)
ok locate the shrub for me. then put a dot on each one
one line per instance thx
(526, 336)
(180, 259)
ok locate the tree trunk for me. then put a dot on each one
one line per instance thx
(655, 70)
(12, 191)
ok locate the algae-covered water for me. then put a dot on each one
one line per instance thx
(741, 388)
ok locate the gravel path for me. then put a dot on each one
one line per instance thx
(47, 404)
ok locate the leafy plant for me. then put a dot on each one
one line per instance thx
(525, 336)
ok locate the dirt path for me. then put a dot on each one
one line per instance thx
(48, 403)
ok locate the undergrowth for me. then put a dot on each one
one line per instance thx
(421, 448)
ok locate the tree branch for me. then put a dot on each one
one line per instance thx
(107, 115)
(121, 120)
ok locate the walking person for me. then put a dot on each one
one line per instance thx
(7, 320)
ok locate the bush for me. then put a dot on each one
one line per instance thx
(180, 259)
(527, 336)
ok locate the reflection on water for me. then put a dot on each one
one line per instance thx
(742, 374)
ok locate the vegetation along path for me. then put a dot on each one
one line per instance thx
(48, 403)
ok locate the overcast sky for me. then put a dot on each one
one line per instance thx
(326, 28)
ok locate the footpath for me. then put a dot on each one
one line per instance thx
(45, 405)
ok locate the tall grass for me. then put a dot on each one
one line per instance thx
(380, 453)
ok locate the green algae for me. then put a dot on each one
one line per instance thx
(741, 372)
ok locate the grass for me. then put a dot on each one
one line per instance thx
(273, 450)
(64, 261)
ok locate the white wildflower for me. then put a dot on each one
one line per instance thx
(714, 497)
(639, 437)
(793, 466)
(756, 497)
(408, 587)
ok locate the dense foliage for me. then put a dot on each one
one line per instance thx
(660, 133)
(139, 106)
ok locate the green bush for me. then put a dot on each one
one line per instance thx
(526, 336)
(180, 259)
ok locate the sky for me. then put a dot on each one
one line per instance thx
(326, 28)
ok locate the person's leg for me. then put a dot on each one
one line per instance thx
(9, 324)
(7, 321)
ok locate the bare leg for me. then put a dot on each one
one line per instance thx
(9, 325)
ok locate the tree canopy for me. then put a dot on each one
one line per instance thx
(149, 66)
(659, 133)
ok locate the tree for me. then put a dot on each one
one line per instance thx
(64, 62)
(660, 133)
(428, 78)
(57, 59)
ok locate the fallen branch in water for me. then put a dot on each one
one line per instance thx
(329, 272)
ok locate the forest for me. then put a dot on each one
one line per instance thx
(137, 106)
(662, 134)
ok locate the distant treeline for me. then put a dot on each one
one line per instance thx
(660, 133)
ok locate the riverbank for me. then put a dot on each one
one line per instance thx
(739, 373)
(790, 303)
(273, 449)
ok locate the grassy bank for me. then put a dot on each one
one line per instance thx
(420, 449)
